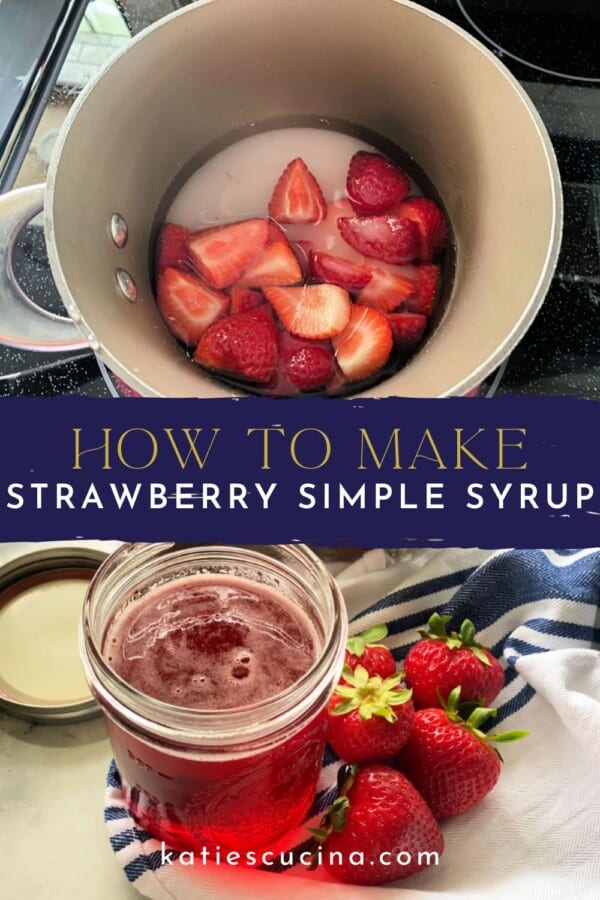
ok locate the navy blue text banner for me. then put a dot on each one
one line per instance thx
(490, 473)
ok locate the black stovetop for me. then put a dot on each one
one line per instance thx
(552, 47)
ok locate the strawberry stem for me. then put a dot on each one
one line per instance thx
(334, 817)
(473, 715)
(456, 640)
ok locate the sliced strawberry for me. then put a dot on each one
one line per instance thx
(325, 236)
(407, 328)
(374, 184)
(387, 290)
(431, 222)
(297, 197)
(335, 270)
(364, 346)
(172, 248)
(313, 311)
(243, 299)
(276, 232)
(307, 364)
(187, 305)
(276, 265)
(391, 239)
(427, 278)
(222, 254)
(243, 344)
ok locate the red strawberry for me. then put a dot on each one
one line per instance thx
(438, 663)
(370, 719)
(450, 760)
(172, 249)
(374, 184)
(378, 830)
(431, 223)
(276, 232)
(387, 290)
(309, 365)
(222, 254)
(243, 344)
(365, 344)
(427, 277)
(276, 265)
(335, 270)
(313, 311)
(187, 305)
(407, 328)
(365, 650)
(243, 299)
(297, 197)
(391, 239)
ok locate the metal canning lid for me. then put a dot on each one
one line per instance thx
(41, 596)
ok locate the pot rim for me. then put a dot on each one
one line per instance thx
(460, 388)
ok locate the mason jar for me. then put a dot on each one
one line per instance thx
(238, 777)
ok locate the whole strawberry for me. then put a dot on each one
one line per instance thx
(365, 650)
(382, 822)
(369, 719)
(450, 761)
(440, 662)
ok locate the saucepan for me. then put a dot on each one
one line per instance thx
(203, 75)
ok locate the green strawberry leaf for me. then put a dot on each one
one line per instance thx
(506, 736)
(481, 656)
(467, 633)
(340, 709)
(480, 715)
(370, 637)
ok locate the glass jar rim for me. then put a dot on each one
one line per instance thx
(211, 728)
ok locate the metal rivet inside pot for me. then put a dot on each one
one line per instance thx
(126, 284)
(119, 231)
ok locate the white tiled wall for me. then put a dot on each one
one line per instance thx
(103, 31)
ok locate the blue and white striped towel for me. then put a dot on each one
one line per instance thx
(537, 834)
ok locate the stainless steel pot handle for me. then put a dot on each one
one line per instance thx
(23, 324)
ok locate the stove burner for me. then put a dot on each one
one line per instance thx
(549, 36)
(31, 269)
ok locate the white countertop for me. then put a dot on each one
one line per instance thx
(54, 842)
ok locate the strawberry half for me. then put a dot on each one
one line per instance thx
(431, 224)
(243, 344)
(172, 251)
(407, 328)
(313, 311)
(370, 718)
(243, 299)
(450, 761)
(308, 365)
(386, 290)
(392, 239)
(187, 305)
(374, 184)
(335, 270)
(276, 265)
(427, 279)
(297, 197)
(223, 253)
(365, 344)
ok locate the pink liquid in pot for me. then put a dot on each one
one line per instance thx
(206, 644)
